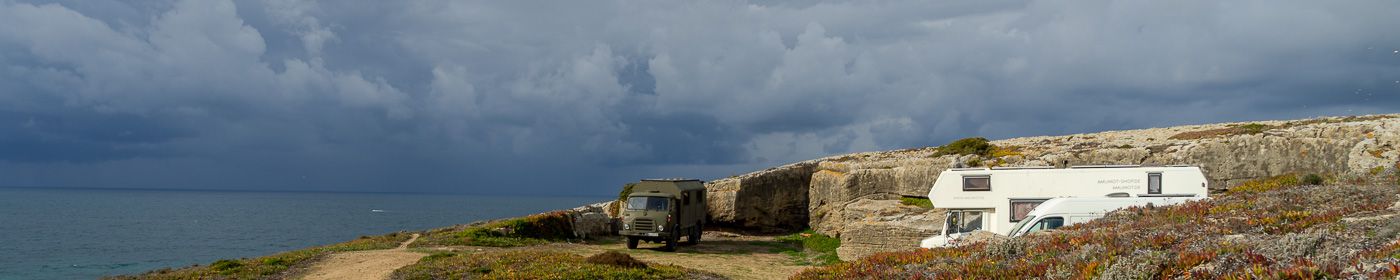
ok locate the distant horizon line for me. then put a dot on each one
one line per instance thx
(281, 191)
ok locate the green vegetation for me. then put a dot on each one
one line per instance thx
(815, 248)
(1267, 229)
(622, 198)
(1000, 152)
(967, 146)
(530, 230)
(1314, 179)
(917, 201)
(278, 266)
(537, 265)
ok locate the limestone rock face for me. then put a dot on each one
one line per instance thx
(770, 200)
(872, 226)
(822, 193)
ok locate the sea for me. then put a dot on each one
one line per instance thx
(90, 233)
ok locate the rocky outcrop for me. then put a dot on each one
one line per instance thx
(592, 220)
(770, 200)
(873, 226)
(821, 194)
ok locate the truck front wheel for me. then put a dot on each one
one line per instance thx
(631, 242)
(671, 242)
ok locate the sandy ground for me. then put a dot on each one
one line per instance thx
(369, 265)
(732, 255)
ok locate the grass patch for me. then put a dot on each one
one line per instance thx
(539, 265)
(278, 266)
(917, 201)
(529, 230)
(813, 248)
(967, 146)
(1273, 228)
(1000, 152)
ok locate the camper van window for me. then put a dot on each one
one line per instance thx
(647, 203)
(977, 183)
(1047, 223)
(1021, 207)
(1154, 183)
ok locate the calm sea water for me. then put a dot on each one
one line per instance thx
(80, 234)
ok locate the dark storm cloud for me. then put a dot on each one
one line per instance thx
(576, 97)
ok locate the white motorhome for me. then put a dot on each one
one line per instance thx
(1059, 212)
(995, 199)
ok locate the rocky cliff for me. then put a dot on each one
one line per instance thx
(855, 196)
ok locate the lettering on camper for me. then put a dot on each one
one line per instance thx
(1122, 183)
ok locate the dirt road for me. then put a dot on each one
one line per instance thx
(367, 265)
(732, 255)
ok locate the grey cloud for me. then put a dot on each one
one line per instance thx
(457, 95)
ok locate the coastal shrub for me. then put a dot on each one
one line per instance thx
(275, 266)
(917, 201)
(816, 248)
(1313, 179)
(225, 265)
(967, 146)
(615, 258)
(535, 265)
(525, 231)
(1272, 228)
(622, 199)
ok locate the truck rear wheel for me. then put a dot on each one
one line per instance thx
(695, 235)
(631, 242)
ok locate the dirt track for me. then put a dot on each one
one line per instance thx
(734, 256)
(369, 265)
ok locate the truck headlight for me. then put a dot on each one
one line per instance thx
(660, 228)
(626, 226)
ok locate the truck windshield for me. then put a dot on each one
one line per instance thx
(647, 203)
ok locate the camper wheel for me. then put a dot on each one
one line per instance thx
(631, 242)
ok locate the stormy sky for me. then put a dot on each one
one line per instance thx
(578, 97)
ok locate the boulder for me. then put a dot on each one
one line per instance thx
(872, 226)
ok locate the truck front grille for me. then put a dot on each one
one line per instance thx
(643, 224)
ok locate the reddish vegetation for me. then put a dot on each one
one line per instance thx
(1271, 228)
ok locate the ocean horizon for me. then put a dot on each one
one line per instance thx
(84, 233)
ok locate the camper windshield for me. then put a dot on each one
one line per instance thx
(963, 221)
(1017, 228)
(647, 203)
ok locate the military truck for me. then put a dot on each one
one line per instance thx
(663, 210)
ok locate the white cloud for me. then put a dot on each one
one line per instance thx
(453, 85)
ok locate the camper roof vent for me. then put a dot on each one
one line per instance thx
(1022, 167)
(1106, 166)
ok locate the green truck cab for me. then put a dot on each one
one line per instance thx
(663, 210)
